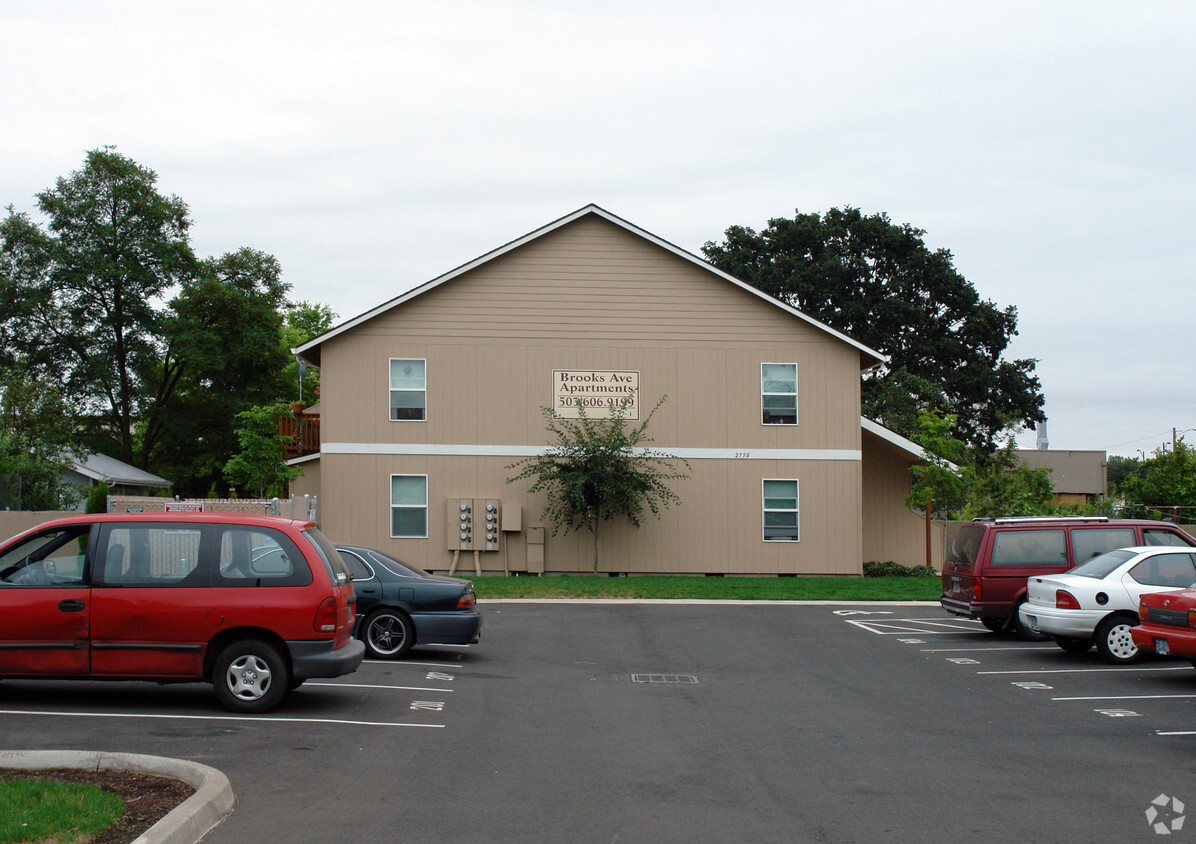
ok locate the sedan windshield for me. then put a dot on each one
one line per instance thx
(1101, 566)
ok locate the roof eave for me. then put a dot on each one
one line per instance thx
(310, 351)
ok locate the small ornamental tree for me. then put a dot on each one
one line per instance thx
(259, 466)
(940, 485)
(598, 470)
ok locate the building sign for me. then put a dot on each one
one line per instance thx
(184, 506)
(598, 391)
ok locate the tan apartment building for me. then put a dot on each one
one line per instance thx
(428, 399)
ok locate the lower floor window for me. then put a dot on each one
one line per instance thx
(780, 511)
(409, 506)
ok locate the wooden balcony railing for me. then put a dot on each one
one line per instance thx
(302, 431)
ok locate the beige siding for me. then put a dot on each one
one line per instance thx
(716, 529)
(891, 530)
(592, 295)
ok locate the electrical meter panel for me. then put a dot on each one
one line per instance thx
(489, 524)
(461, 524)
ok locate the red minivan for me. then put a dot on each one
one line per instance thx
(254, 605)
(988, 561)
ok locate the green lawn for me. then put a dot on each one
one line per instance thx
(63, 813)
(713, 588)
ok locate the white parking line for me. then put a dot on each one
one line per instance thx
(254, 718)
(373, 686)
(1175, 732)
(891, 627)
(399, 663)
(1082, 670)
(972, 650)
(1123, 697)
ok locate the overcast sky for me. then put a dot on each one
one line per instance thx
(371, 146)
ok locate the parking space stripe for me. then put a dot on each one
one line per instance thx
(375, 686)
(253, 718)
(1083, 670)
(1123, 697)
(973, 650)
(400, 663)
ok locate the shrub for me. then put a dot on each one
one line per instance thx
(892, 569)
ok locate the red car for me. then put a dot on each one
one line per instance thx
(254, 605)
(1167, 624)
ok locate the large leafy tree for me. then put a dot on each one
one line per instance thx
(305, 320)
(600, 469)
(79, 299)
(1165, 480)
(226, 355)
(880, 284)
(155, 351)
(37, 436)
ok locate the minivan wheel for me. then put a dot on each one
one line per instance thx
(1073, 645)
(250, 676)
(388, 634)
(1114, 642)
(996, 625)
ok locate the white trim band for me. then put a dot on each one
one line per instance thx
(453, 450)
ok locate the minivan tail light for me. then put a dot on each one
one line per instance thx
(325, 620)
(467, 601)
(976, 590)
(1192, 619)
(1064, 600)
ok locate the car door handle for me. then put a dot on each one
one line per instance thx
(71, 605)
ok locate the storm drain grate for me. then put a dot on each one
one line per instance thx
(665, 678)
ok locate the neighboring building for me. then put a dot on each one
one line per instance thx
(427, 401)
(1077, 477)
(92, 469)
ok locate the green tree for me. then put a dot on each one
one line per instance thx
(79, 301)
(258, 468)
(1119, 468)
(941, 484)
(1005, 486)
(1167, 479)
(598, 470)
(226, 354)
(37, 437)
(879, 283)
(305, 320)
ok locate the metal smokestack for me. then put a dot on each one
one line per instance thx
(1043, 444)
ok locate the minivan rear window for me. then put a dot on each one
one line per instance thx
(1029, 548)
(337, 571)
(964, 544)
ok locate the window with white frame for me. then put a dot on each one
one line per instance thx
(408, 390)
(409, 506)
(780, 511)
(778, 393)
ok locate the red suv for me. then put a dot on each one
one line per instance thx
(988, 561)
(254, 605)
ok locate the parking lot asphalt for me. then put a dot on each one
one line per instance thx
(679, 722)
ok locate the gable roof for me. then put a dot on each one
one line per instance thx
(101, 467)
(310, 351)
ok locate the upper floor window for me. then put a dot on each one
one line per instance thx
(778, 393)
(408, 390)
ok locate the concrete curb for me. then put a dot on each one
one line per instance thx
(212, 801)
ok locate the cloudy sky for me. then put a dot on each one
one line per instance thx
(371, 146)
